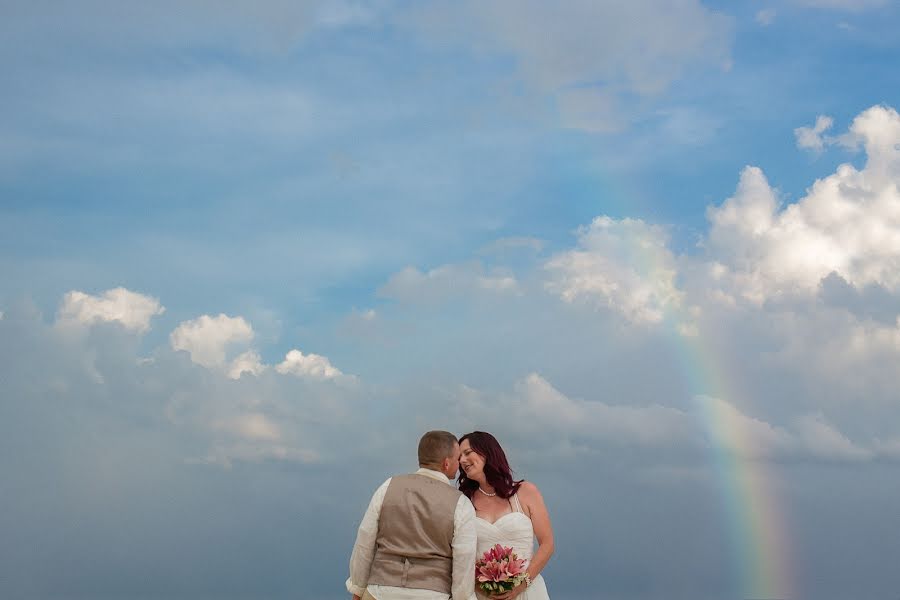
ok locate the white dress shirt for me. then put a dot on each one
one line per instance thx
(464, 542)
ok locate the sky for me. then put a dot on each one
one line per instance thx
(251, 251)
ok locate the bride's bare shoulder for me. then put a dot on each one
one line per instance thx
(528, 491)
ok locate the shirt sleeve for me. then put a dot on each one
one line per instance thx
(364, 548)
(464, 546)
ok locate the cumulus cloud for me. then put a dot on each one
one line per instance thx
(549, 424)
(840, 242)
(548, 407)
(872, 301)
(740, 434)
(264, 418)
(848, 223)
(808, 437)
(821, 439)
(622, 265)
(810, 138)
(131, 310)
(307, 365)
(207, 410)
(547, 418)
(246, 362)
(208, 338)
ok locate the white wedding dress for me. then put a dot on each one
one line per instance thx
(512, 530)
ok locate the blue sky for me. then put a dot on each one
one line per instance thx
(512, 216)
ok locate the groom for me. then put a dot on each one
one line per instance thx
(417, 538)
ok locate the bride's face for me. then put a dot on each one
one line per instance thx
(471, 462)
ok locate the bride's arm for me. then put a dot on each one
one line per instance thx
(533, 505)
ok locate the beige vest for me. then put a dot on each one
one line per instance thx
(413, 548)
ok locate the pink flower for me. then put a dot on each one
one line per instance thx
(498, 552)
(516, 566)
(499, 569)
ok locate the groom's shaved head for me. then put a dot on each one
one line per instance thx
(435, 446)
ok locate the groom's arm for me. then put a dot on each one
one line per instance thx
(364, 548)
(464, 544)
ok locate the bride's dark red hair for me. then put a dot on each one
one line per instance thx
(496, 467)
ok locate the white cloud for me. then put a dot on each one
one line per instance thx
(307, 365)
(807, 437)
(848, 223)
(131, 310)
(230, 418)
(810, 138)
(766, 16)
(547, 416)
(877, 130)
(247, 362)
(208, 338)
(547, 406)
(819, 438)
(740, 434)
(622, 265)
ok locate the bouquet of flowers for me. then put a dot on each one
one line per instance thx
(499, 570)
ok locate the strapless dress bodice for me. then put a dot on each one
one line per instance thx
(512, 530)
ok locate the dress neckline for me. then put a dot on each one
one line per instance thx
(506, 514)
(513, 509)
(501, 517)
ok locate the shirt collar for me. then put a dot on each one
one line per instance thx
(434, 475)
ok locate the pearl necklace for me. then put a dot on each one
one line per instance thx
(485, 493)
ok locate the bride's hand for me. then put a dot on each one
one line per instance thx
(511, 593)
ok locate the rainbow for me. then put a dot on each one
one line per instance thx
(756, 524)
(753, 514)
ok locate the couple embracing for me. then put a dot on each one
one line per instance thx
(420, 536)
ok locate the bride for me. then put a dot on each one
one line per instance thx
(509, 513)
